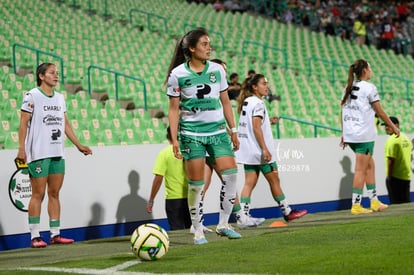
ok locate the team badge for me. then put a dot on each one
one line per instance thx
(213, 78)
(187, 150)
(38, 169)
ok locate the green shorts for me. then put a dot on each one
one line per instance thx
(264, 168)
(45, 167)
(363, 147)
(193, 147)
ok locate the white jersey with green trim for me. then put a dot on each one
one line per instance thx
(250, 151)
(358, 116)
(201, 112)
(46, 129)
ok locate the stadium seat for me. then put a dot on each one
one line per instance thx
(11, 140)
(88, 139)
(108, 138)
(93, 106)
(129, 137)
(149, 136)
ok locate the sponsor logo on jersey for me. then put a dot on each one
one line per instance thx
(52, 120)
(56, 133)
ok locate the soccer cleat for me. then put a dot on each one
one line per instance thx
(295, 214)
(244, 221)
(199, 238)
(205, 229)
(258, 221)
(60, 240)
(357, 209)
(377, 205)
(227, 231)
(248, 221)
(38, 243)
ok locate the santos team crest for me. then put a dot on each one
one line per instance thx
(213, 78)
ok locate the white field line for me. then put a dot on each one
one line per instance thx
(115, 270)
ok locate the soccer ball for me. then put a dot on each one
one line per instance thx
(149, 242)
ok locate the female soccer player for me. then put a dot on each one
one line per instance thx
(43, 124)
(199, 112)
(257, 146)
(359, 104)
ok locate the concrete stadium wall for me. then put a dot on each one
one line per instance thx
(104, 195)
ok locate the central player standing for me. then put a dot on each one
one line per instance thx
(199, 112)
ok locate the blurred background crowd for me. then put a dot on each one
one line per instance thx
(386, 25)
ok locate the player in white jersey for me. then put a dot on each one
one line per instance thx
(257, 146)
(359, 104)
(199, 112)
(43, 124)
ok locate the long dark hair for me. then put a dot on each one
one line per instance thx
(41, 70)
(357, 68)
(182, 49)
(247, 89)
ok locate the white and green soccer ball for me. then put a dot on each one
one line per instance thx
(149, 242)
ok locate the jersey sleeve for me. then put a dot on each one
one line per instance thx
(28, 103)
(173, 88)
(160, 166)
(373, 95)
(390, 148)
(223, 80)
(259, 110)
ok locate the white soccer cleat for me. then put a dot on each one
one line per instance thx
(205, 229)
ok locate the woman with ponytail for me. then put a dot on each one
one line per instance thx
(257, 146)
(360, 103)
(199, 113)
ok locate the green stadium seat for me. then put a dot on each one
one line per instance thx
(149, 136)
(93, 106)
(117, 126)
(108, 138)
(129, 137)
(96, 127)
(88, 139)
(29, 82)
(11, 140)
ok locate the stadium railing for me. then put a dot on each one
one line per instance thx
(38, 52)
(117, 74)
(316, 126)
(407, 82)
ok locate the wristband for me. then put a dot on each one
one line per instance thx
(234, 130)
(150, 202)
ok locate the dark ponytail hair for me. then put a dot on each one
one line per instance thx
(357, 68)
(41, 70)
(247, 89)
(182, 49)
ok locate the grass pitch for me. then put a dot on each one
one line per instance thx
(321, 243)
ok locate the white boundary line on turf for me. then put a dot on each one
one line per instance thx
(117, 269)
(112, 270)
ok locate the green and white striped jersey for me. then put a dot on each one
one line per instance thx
(201, 112)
